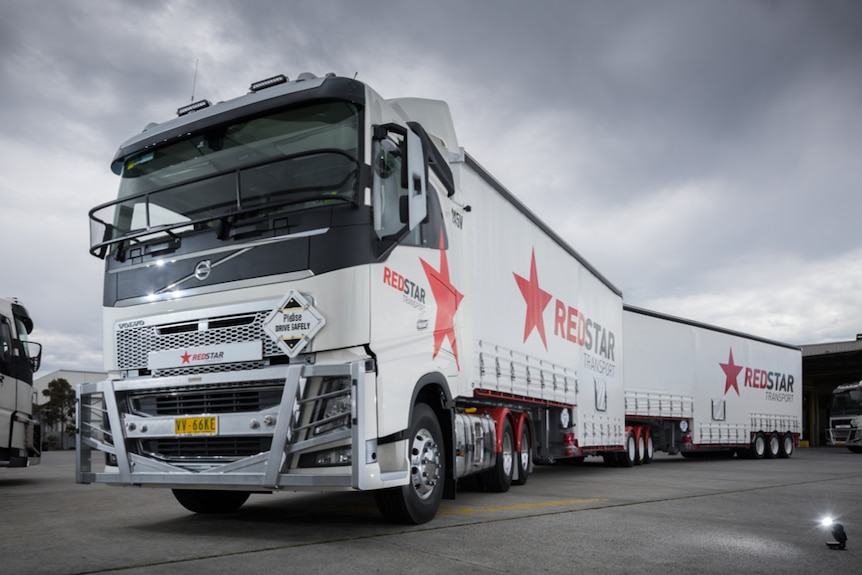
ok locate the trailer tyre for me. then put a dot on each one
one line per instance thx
(787, 445)
(210, 501)
(499, 478)
(773, 446)
(758, 446)
(525, 454)
(650, 449)
(418, 501)
(628, 456)
(640, 456)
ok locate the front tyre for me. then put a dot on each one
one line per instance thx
(210, 501)
(418, 501)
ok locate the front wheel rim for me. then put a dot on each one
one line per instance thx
(424, 463)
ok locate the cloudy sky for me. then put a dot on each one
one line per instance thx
(705, 156)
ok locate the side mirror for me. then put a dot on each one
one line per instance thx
(399, 188)
(417, 204)
(35, 358)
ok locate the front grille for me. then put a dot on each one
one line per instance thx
(205, 448)
(135, 343)
(207, 400)
(214, 368)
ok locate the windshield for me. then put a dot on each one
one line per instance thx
(260, 166)
(847, 401)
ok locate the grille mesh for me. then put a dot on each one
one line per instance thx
(180, 402)
(201, 449)
(134, 344)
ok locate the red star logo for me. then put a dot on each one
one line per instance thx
(186, 356)
(448, 299)
(537, 300)
(732, 372)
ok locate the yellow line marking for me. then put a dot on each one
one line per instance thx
(465, 510)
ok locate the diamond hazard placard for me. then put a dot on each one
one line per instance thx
(293, 323)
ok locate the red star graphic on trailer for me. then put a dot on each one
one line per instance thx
(537, 300)
(448, 299)
(732, 372)
(186, 356)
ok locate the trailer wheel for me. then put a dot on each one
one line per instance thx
(855, 449)
(525, 454)
(787, 444)
(758, 446)
(773, 446)
(210, 501)
(628, 456)
(499, 478)
(650, 448)
(418, 501)
(641, 449)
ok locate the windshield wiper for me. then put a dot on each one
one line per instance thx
(171, 244)
(262, 218)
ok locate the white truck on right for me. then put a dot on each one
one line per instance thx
(845, 417)
(701, 390)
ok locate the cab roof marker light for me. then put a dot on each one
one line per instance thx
(194, 107)
(268, 83)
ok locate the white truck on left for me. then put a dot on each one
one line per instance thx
(20, 433)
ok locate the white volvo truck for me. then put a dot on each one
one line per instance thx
(20, 432)
(845, 417)
(310, 287)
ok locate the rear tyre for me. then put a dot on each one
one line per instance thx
(525, 454)
(650, 449)
(627, 457)
(641, 449)
(418, 501)
(210, 501)
(499, 479)
(787, 446)
(758, 446)
(773, 446)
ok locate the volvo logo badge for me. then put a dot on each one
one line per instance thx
(202, 270)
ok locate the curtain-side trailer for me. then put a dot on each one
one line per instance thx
(697, 389)
(20, 431)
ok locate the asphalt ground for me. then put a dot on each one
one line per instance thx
(673, 516)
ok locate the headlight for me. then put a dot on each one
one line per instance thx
(334, 407)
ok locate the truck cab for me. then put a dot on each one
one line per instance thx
(20, 433)
(845, 417)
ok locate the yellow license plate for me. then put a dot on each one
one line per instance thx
(206, 425)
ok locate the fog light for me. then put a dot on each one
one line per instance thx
(340, 456)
